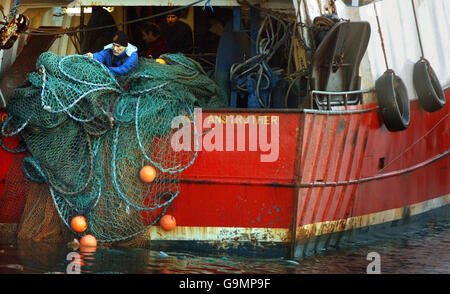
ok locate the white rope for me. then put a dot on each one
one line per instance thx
(3, 98)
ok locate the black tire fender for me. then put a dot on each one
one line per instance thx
(393, 100)
(428, 88)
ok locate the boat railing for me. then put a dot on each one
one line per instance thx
(329, 102)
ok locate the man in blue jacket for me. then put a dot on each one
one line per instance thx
(119, 56)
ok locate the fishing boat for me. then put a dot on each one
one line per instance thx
(356, 147)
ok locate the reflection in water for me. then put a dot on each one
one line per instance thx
(423, 251)
(39, 257)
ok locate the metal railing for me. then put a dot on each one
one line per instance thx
(343, 102)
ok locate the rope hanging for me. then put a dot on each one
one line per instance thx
(13, 11)
(381, 36)
(417, 29)
(43, 32)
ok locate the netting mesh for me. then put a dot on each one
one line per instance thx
(89, 134)
(40, 221)
(13, 199)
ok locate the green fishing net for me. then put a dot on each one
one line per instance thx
(90, 133)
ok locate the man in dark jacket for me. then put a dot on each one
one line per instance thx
(155, 43)
(119, 56)
(177, 33)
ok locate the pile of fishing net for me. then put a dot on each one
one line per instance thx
(88, 135)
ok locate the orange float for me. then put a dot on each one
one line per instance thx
(168, 222)
(147, 174)
(160, 60)
(78, 224)
(88, 241)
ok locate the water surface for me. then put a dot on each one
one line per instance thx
(419, 251)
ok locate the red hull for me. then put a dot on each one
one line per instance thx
(351, 173)
(336, 171)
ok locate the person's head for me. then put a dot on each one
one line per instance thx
(171, 19)
(120, 43)
(150, 32)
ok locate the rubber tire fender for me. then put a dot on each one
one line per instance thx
(428, 88)
(393, 101)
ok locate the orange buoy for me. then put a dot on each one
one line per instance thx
(168, 222)
(78, 224)
(160, 60)
(88, 240)
(147, 174)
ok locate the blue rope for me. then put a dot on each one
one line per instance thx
(171, 170)
(208, 2)
(95, 61)
(3, 133)
(116, 185)
(11, 150)
(13, 11)
(72, 207)
(103, 87)
(39, 175)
